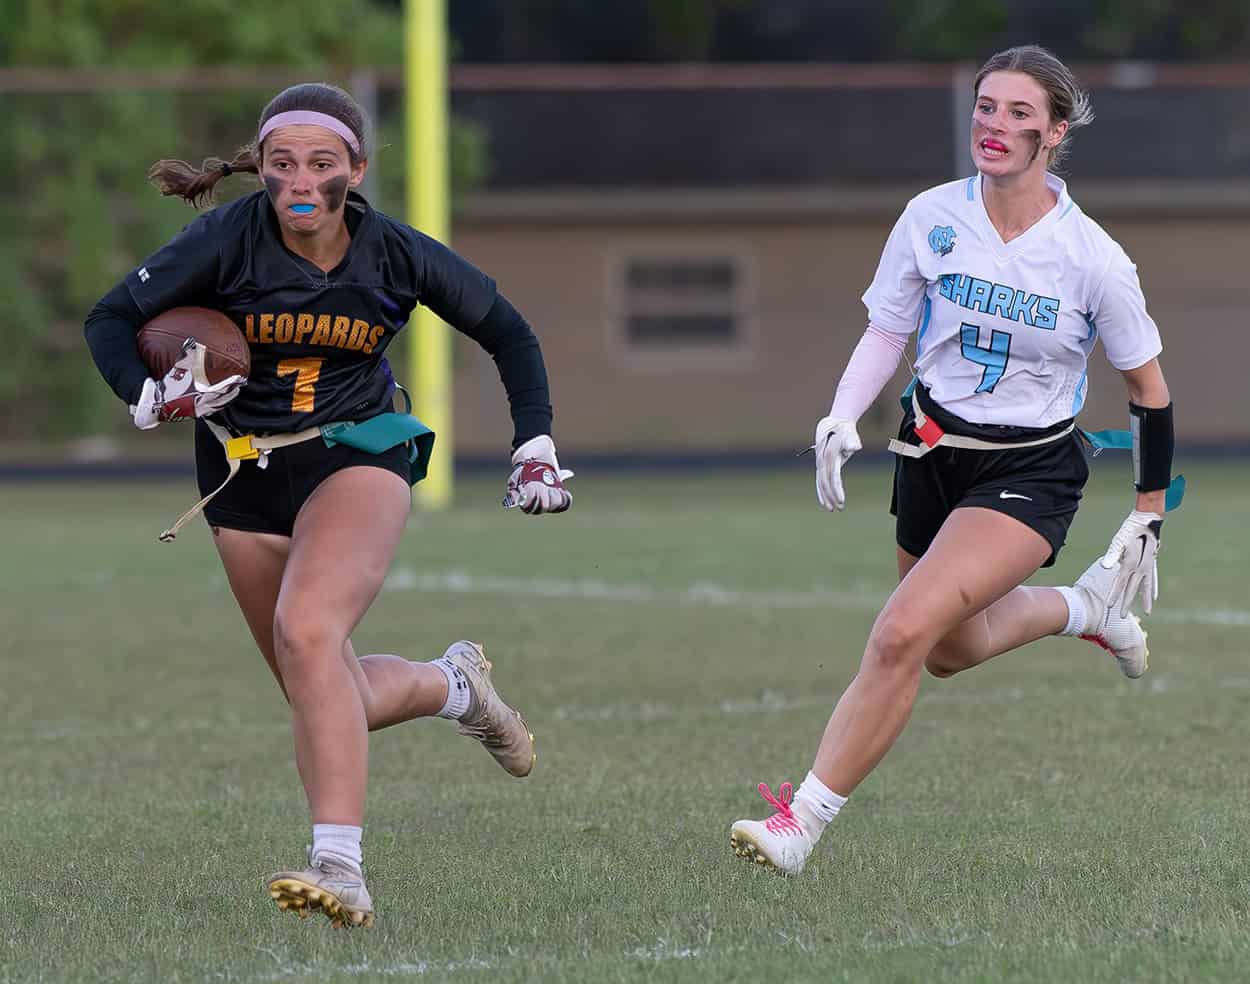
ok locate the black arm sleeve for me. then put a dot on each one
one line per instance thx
(111, 329)
(449, 285)
(512, 344)
(181, 271)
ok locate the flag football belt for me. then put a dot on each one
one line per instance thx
(375, 435)
(932, 436)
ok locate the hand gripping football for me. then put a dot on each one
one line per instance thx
(161, 342)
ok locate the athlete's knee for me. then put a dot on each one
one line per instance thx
(942, 663)
(896, 642)
(959, 650)
(303, 638)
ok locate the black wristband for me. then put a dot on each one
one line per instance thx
(1153, 444)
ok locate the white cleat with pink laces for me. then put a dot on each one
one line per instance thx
(780, 842)
(1121, 635)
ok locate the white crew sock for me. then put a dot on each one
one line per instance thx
(1076, 612)
(815, 804)
(458, 692)
(339, 843)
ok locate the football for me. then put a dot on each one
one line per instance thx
(161, 340)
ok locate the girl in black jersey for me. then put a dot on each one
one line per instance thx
(320, 283)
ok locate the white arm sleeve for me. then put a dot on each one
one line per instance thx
(897, 290)
(1129, 335)
(870, 367)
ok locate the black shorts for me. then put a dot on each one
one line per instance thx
(1040, 486)
(267, 500)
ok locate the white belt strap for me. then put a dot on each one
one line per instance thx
(239, 449)
(932, 436)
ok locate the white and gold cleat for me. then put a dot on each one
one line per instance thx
(326, 887)
(780, 842)
(1121, 635)
(500, 728)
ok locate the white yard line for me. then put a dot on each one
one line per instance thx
(1202, 616)
(661, 951)
(417, 968)
(698, 593)
(706, 593)
(864, 598)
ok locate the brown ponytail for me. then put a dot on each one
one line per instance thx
(195, 184)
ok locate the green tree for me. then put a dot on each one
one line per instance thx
(80, 213)
(946, 29)
(1197, 28)
(686, 29)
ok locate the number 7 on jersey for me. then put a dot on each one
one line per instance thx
(306, 371)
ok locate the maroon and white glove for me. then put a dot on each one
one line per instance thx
(536, 485)
(185, 392)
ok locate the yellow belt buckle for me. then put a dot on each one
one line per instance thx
(240, 449)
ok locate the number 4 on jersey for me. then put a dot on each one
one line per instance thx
(994, 358)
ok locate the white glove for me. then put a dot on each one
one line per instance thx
(836, 441)
(536, 484)
(184, 392)
(1133, 551)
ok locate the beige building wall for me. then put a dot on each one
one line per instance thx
(801, 273)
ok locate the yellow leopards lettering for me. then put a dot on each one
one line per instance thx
(303, 325)
(334, 331)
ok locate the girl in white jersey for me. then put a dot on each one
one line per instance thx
(1008, 286)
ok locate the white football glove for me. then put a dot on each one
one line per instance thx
(836, 441)
(536, 484)
(184, 392)
(1132, 551)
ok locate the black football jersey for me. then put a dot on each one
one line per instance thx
(318, 340)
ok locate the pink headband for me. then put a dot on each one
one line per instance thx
(304, 117)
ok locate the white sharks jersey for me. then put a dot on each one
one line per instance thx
(1004, 330)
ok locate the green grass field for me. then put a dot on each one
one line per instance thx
(1042, 819)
